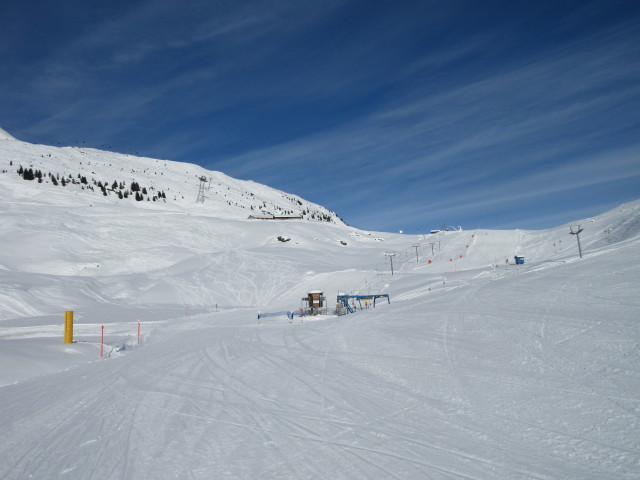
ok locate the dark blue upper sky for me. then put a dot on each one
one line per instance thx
(397, 115)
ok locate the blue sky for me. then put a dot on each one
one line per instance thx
(396, 115)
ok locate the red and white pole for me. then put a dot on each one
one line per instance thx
(138, 332)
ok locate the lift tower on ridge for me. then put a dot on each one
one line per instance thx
(201, 197)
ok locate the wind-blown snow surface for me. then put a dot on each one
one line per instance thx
(478, 369)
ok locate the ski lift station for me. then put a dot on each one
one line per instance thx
(519, 260)
(315, 303)
(343, 301)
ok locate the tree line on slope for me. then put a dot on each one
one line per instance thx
(118, 188)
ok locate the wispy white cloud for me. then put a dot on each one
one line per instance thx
(214, 35)
(528, 122)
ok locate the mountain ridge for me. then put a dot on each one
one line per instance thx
(88, 171)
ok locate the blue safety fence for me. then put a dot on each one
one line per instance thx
(277, 314)
(291, 314)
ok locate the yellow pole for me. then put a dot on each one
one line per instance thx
(68, 327)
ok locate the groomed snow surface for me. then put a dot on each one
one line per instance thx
(477, 369)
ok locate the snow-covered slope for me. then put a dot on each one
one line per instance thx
(85, 177)
(4, 135)
(479, 368)
(78, 218)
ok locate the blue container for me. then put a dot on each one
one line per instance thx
(519, 260)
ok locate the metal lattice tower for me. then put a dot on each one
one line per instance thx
(201, 197)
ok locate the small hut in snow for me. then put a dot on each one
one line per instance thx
(315, 299)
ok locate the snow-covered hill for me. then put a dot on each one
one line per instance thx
(478, 368)
(77, 216)
(4, 135)
(100, 177)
